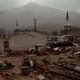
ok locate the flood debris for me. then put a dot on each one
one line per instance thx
(40, 77)
(52, 61)
(5, 65)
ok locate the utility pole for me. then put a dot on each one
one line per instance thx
(35, 27)
(17, 23)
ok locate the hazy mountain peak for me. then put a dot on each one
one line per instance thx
(37, 6)
(48, 19)
(32, 4)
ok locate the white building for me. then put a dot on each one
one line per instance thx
(26, 40)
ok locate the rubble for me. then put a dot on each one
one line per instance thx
(52, 62)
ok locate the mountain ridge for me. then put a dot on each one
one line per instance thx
(47, 18)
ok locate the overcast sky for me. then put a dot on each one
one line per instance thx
(73, 5)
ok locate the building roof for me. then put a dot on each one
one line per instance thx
(67, 24)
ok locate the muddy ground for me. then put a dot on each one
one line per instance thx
(17, 61)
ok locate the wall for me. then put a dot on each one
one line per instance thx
(23, 41)
(1, 46)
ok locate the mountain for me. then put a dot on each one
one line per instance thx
(48, 19)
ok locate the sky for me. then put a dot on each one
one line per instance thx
(71, 5)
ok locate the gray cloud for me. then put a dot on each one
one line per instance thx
(7, 4)
(72, 5)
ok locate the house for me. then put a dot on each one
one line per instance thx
(72, 32)
(74, 35)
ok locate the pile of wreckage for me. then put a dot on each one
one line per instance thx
(44, 68)
(54, 47)
(5, 65)
(50, 47)
(47, 69)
